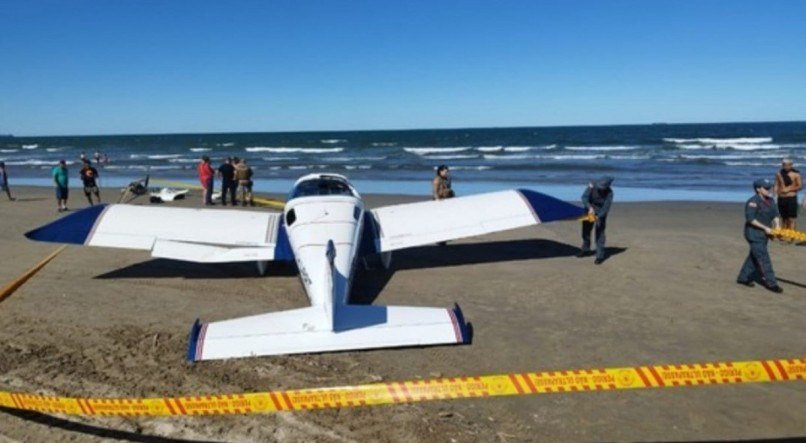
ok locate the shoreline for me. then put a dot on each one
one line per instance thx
(422, 188)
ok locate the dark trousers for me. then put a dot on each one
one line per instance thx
(231, 188)
(757, 266)
(208, 192)
(587, 227)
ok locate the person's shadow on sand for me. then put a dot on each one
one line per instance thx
(96, 431)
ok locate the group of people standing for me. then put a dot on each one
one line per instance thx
(235, 174)
(763, 215)
(61, 179)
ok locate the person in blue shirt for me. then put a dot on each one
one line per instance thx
(760, 218)
(597, 199)
(61, 180)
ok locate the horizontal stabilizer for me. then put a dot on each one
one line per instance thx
(307, 330)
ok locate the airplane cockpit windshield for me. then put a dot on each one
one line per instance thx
(323, 185)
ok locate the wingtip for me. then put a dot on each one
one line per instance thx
(193, 341)
(549, 208)
(464, 327)
(73, 228)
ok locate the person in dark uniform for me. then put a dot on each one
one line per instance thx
(228, 184)
(761, 216)
(597, 198)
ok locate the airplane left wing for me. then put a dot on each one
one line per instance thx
(196, 235)
(429, 222)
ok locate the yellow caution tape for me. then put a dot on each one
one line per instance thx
(527, 383)
(14, 285)
(269, 202)
(789, 234)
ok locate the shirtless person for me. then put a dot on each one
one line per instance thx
(788, 183)
(441, 185)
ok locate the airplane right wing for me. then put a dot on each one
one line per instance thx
(422, 223)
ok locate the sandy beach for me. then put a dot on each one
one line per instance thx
(105, 323)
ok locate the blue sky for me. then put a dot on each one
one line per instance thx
(103, 67)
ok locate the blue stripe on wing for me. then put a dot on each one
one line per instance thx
(550, 209)
(73, 228)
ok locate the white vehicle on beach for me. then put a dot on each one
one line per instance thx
(326, 231)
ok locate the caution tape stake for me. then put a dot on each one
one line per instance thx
(527, 383)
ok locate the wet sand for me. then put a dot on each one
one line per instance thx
(103, 322)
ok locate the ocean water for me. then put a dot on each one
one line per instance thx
(650, 162)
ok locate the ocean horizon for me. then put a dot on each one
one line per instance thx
(714, 161)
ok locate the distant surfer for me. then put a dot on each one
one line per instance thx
(207, 179)
(788, 182)
(226, 172)
(761, 217)
(61, 179)
(97, 157)
(89, 177)
(441, 185)
(597, 199)
(4, 181)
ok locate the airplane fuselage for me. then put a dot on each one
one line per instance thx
(314, 224)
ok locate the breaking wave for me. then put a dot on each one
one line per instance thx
(426, 151)
(602, 148)
(300, 150)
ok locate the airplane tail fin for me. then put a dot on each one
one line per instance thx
(307, 330)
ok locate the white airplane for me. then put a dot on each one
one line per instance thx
(326, 230)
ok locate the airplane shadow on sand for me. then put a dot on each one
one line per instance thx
(367, 284)
(165, 268)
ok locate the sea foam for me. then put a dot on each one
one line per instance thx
(299, 150)
(427, 151)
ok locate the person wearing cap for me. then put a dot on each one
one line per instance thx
(228, 184)
(788, 183)
(597, 199)
(61, 179)
(761, 217)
